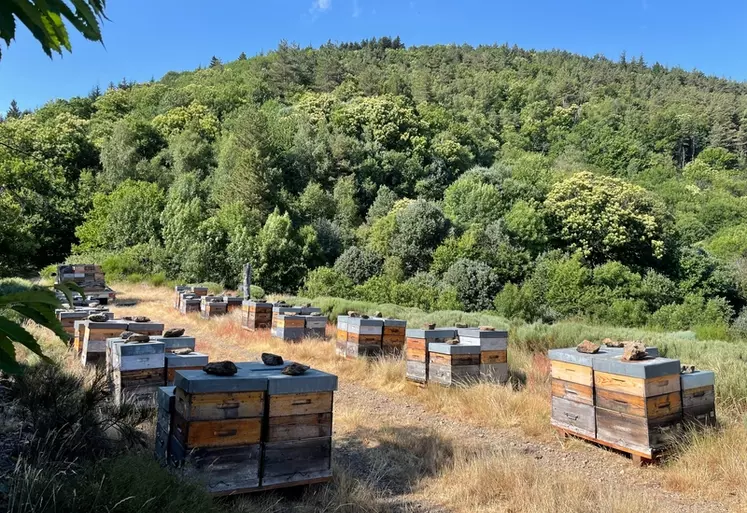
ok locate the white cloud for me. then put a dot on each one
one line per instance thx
(321, 5)
(356, 9)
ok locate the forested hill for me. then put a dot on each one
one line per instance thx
(544, 183)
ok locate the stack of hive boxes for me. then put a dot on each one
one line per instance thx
(255, 430)
(417, 354)
(364, 337)
(178, 290)
(451, 364)
(341, 338)
(395, 334)
(256, 315)
(137, 371)
(288, 326)
(493, 346)
(68, 317)
(89, 277)
(189, 303)
(212, 306)
(165, 400)
(315, 326)
(233, 303)
(698, 397)
(92, 335)
(174, 361)
(143, 328)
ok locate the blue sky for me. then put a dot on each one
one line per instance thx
(147, 38)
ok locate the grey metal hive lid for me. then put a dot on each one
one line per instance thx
(250, 302)
(571, 355)
(165, 398)
(440, 347)
(360, 321)
(430, 334)
(343, 318)
(697, 379)
(261, 367)
(200, 382)
(193, 358)
(285, 309)
(139, 348)
(114, 323)
(399, 323)
(309, 382)
(649, 368)
(150, 326)
(652, 351)
(478, 333)
(115, 340)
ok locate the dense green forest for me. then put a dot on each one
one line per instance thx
(544, 185)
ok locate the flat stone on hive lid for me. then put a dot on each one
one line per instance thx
(199, 382)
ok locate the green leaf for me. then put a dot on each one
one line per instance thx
(8, 361)
(43, 316)
(68, 288)
(17, 333)
(46, 297)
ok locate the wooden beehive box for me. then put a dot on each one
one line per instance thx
(288, 327)
(212, 306)
(308, 309)
(364, 337)
(189, 305)
(175, 362)
(453, 364)
(152, 329)
(297, 448)
(256, 315)
(165, 400)
(341, 337)
(137, 371)
(416, 350)
(68, 317)
(233, 303)
(638, 403)
(493, 351)
(315, 326)
(93, 345)
(178, 289)
(699, 397)
(394, 336)
(217, 428)
(198, 291)
(175, 343)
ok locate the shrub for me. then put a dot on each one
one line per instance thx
(625, 312)
(475, 283)
(694, 311)
(359, 264)
(324, 281)
(420, 228)
(739, 326)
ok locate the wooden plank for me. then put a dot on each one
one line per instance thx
(299, 427)
(294, 459)
(396, 331)
(573, 392)
(651, 407)
(454, 360)
(417, 371)
(703, 415)
(222, 470)
(572, 372)
(573, 416)
(172, 371)
(700, 396)
(449, 375)
(218, 406)
(416, 344)
(494, 356)
(415, 355)
(141, 377)
(364, 339)
(637, 386)
(216, 433)
(632, 453)
(300, 404)
(636, 433)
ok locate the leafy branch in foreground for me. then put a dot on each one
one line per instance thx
(44, 18)
(38, 305)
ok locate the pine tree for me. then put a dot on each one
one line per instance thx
(242, 56)
(215, 62)
(13, 111)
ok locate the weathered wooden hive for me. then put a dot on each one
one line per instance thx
(315, 326)
(137, 371)
(638, 403)
(189, 303)
(68, 317)
(178, 290)
(416, 350)
(198, 291)
(212, 306)
(341, 338)
(217, 428)
(165, 399)
(394, 336)
(364, 337)
(256, 315)
(493, 346)
(176, 362)
(452, 364)
(92, 336)
(90, 277)
(233, 303)
(288, 326)
(698, 397)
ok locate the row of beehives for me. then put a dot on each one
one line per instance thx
(449, 356)
(294, 323)
(257, 429)
(363, 336)
(90, 277)
(190, 299)
(634, 406)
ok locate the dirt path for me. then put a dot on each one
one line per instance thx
(376, 431)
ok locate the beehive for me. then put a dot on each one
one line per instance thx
(212, 306)
(638, 403)
(165, 400)
(416, 350)
(137, 371)
(189, 304)
(341, 336)
(298, 443)
(233, 303)
(198, 291)
(217, 428)
(315, 326)
(364, 337)
(308, 309)
(256, 315)
(152, 329)
(698, 397)
(285, 309)
(289, 327)
(178, 289)
(176, 362)
(93, 344)
(393, 336)
(89, 277)
(453, 364)
(68, 317)
(174, 343)
(493, 351)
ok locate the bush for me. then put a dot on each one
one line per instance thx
(324, 281)
(625, 312)
(475, 283)
(694, 311)
(739, 326)
(420, 228)
(359, 264)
